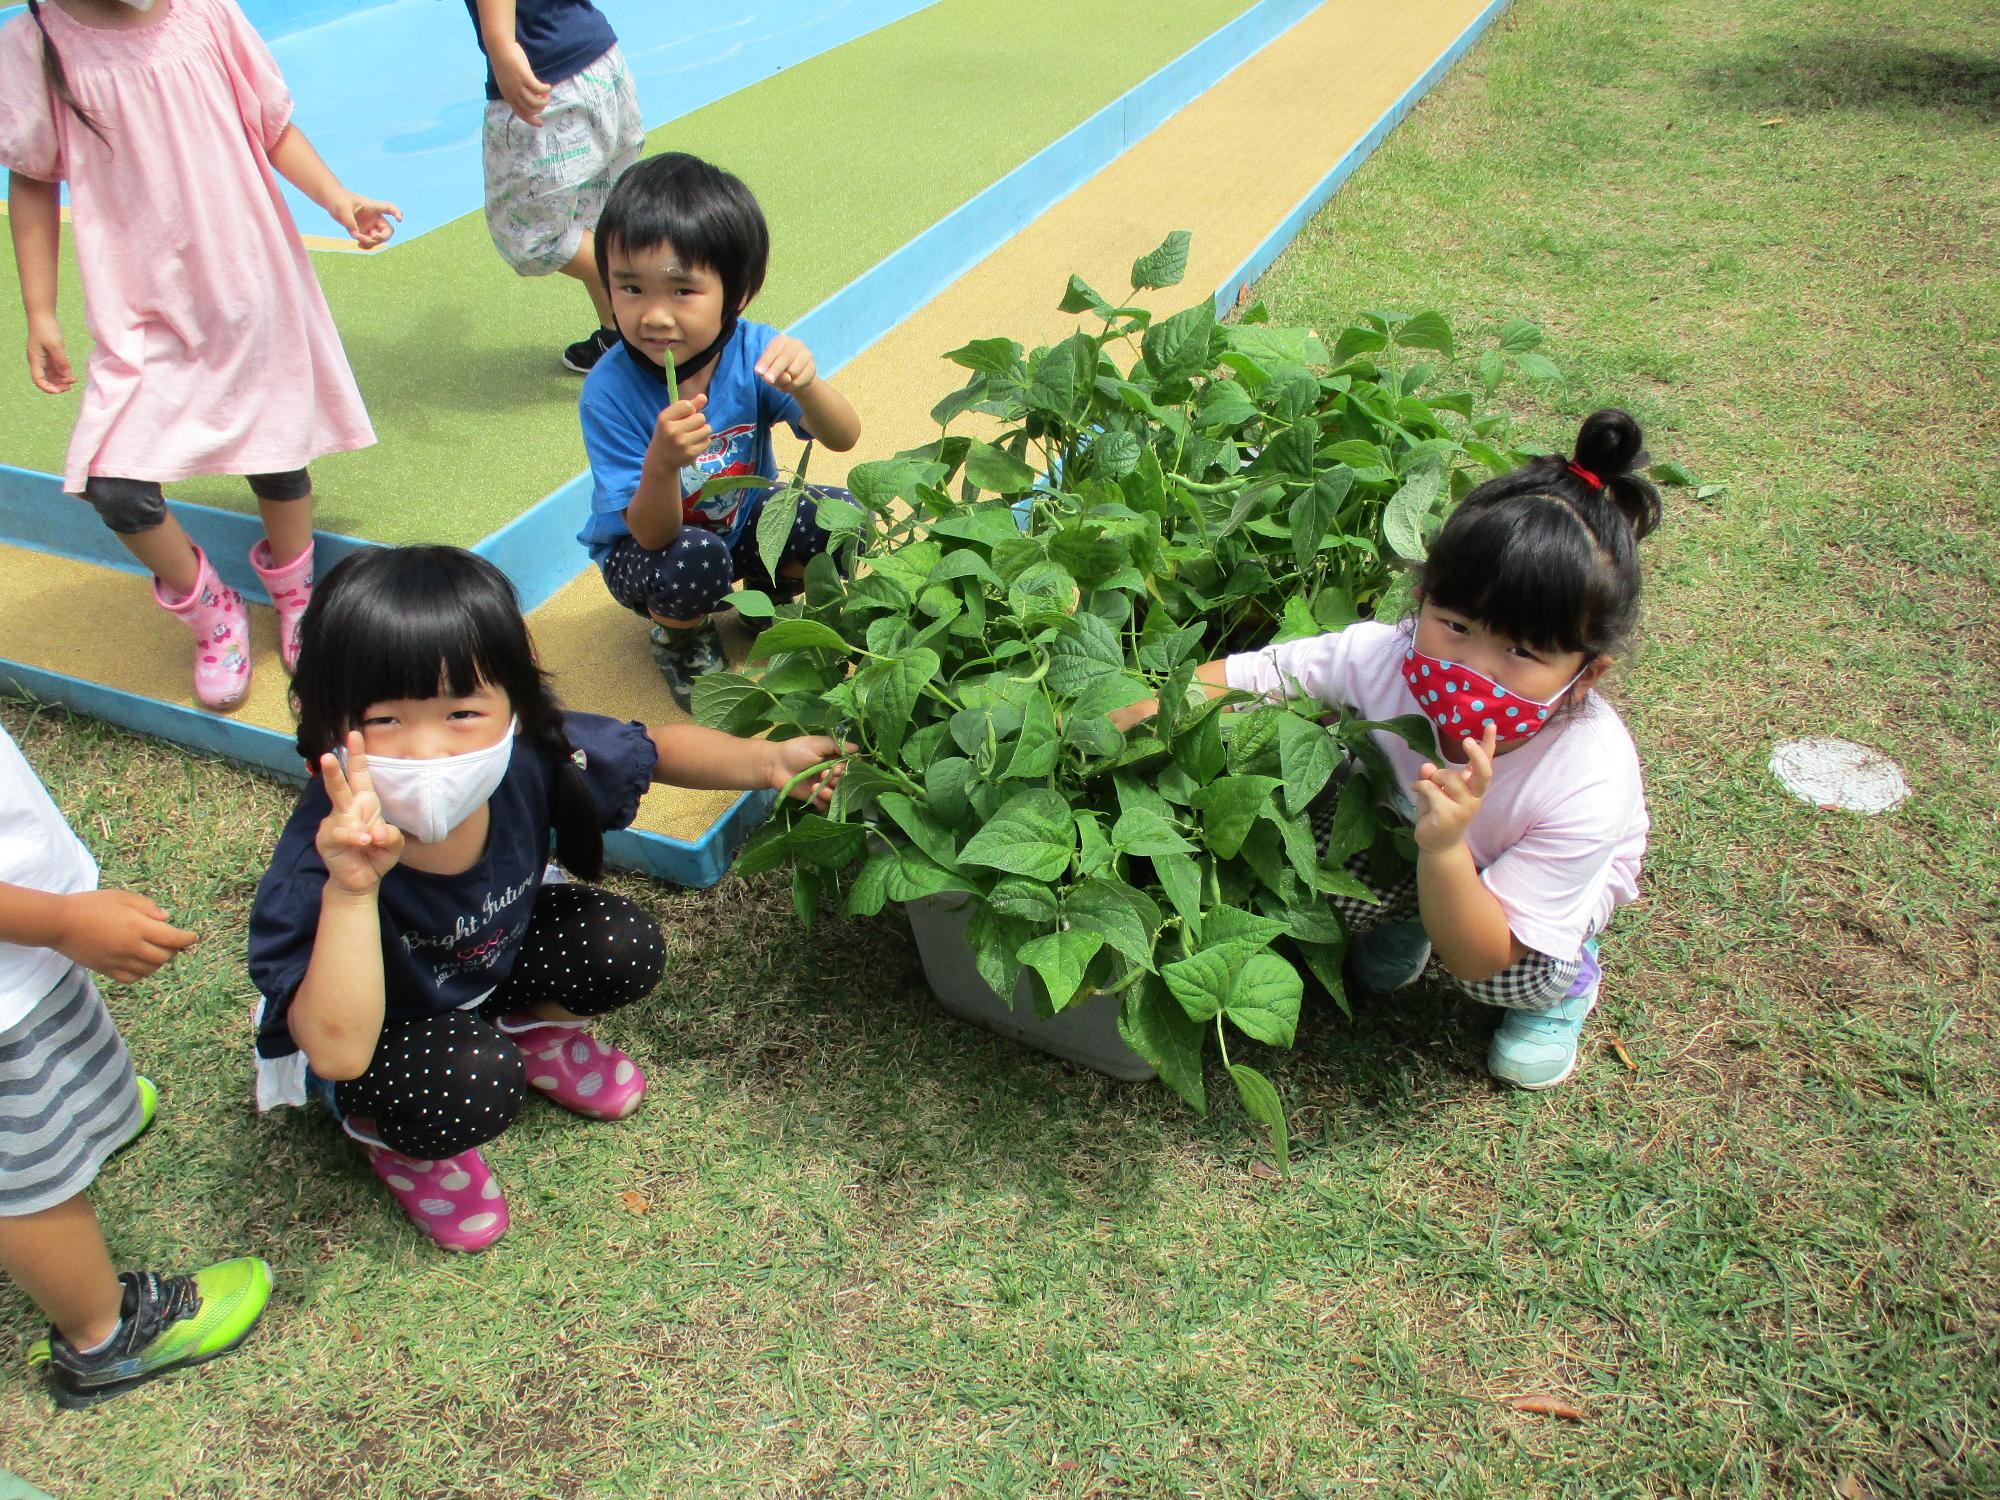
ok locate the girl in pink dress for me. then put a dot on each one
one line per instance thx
(215, 353)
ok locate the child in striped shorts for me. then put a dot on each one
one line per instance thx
(69, 1099)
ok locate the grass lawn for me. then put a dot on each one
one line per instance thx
(849, 1247)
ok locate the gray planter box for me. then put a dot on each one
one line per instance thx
(1086, 1032)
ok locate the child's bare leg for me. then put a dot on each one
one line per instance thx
(59, 1259)
(583, 267)
(168, 552)
(288, 527)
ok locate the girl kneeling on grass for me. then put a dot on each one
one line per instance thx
(1529, 594)
(416, 972)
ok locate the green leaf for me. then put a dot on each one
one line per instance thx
(1180, 878)
(1156, 1028)
(996, 942)
(1353, 822)
(922, 829)
(1125, 917)
(1518, 336)
(1198, 751)
(1672, 474)
(915, 875)
(1537, 366)
(1307, 756)
(1078, 297)
(1242, 932)
(1115, 455)
(868, 891)
(1062, 958)
(1226, 404)
(774, 527)
(944, 783)
(1033, 833)
(1314, 511)
(1229, 806)
(1037, 746)
(1247, 736)
(886, 693)
(1142, 831)
(989, 356)
(1058, 374)
(807, 884)
(1259, 994)
(1260, 1102)
(991, 469)
(797, 635)
(1017, 896)
(1404, 516)
(1177, 349)
(730, 702)
(833, 514)
(1427, 330)
(1357, 340)
(1164, 266)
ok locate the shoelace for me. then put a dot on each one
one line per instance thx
(162, 1302)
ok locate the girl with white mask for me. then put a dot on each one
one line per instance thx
(1519, 783)
(418, 977)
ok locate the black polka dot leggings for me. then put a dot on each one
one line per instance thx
(694, 574)
(440, 1086)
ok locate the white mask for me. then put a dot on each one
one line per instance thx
(429, 798)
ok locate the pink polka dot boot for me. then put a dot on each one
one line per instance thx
(290, 588)
(575, 1069)
(214, 612)
(453, 1200)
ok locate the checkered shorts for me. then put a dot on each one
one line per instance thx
(1536, 982)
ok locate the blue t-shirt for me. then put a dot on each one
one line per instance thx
(622, 400)
(561, 37)
(446, 939)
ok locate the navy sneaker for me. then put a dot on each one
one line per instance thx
(584, 354)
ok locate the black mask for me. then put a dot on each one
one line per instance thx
(689, 366)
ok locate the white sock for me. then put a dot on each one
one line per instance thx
(102, 1344)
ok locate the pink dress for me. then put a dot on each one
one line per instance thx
(215, 352)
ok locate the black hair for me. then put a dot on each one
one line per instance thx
(1548, 554)
(52, 69)
(420, 622)
(708, 216)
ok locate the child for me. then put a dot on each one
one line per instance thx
(682, 246)
(416, 970)
(1529, 594)
(68, 1099)
(215, 353)
(562, 125)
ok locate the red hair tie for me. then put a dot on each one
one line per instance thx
(1585, 475)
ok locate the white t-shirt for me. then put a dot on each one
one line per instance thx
(1559, 836)
(37, 850)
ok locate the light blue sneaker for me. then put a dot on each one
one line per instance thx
(1390, 957)
(1536, 1049)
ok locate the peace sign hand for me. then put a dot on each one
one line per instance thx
(1448, 801)
(358, 846)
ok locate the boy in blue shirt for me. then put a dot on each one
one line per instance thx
(682, 247)
(562, 125)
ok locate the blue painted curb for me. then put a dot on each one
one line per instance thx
(1261, 259)
(697, 864)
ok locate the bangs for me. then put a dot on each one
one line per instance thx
(408, 622)
(1525, 567)
(705, 213)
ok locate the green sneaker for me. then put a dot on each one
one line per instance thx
(166, 1323)
(1536, 1049)
(149, 1106)
(684, 655)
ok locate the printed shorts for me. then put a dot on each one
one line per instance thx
(545, 187)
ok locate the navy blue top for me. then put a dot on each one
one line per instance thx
(446, 939)
(561, 37)
(622, 401)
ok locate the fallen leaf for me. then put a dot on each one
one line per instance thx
(1546, 1406)
(1623, 1056)
(634, 1203)
(1774, 120)
(1263, 1170)
(1853, 1487)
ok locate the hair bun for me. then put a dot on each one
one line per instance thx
(1610, 442)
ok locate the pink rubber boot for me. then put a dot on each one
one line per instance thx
(574, 1069)
(214, 612)
(455, 1200)
(290, 588)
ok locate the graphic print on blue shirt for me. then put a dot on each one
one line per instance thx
(732, 452)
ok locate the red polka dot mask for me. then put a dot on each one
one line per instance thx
(1460, 702)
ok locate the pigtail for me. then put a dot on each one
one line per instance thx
(1610, 449)
(573, 813)
(52, 70)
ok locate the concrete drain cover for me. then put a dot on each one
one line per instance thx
(1839, 775)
